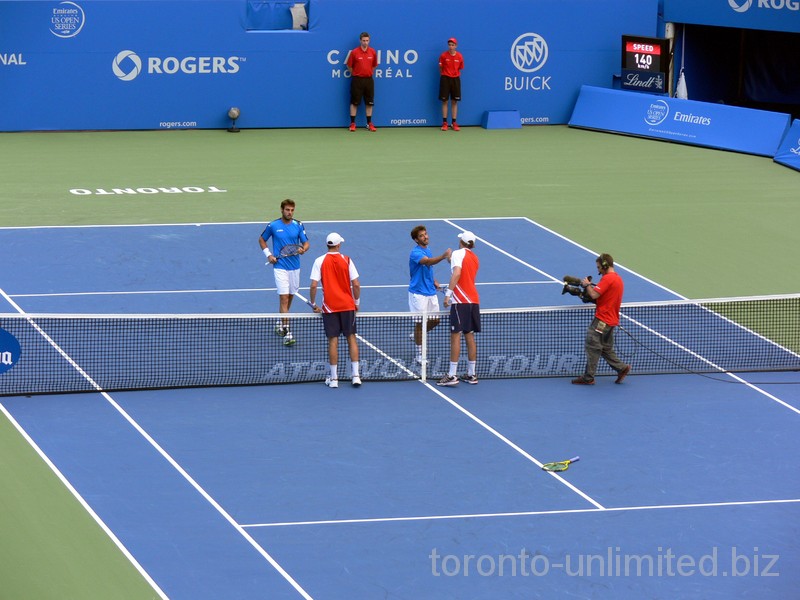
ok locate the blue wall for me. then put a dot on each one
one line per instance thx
(58, 59)
(767, 15)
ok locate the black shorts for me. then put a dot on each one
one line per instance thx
(362, 87)
(465, 318)
(449, 87)
(339, 323)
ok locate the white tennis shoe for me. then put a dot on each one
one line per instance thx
(331, 383)
(356, 381)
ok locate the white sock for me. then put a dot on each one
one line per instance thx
(354, 368)
(471, 367)
(334, 371)
(453, 369)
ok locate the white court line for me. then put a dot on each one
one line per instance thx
(247, 290)
(531, 513)
(574, 243)
(171, 461)
(262, 223)
(509, 255)
(83, 502)
(511, 444)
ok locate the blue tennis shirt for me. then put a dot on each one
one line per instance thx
(282, 234)
(421, 275)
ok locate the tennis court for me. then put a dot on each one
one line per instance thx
(399, 489)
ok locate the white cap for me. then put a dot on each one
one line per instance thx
(467, 237)
(334, 239)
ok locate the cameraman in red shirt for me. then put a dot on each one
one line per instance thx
(607, 294)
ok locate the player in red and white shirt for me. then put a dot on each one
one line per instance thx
(341, 296)
(465, 315)
(361, 61)
(450, 65)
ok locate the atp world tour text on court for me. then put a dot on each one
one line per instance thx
(664, 562)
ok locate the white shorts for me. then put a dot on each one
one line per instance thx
(418, 303)
(287, 282)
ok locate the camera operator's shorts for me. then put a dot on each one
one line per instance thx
(362, 87)
(449, 87)
(287, 282)
(465, 318)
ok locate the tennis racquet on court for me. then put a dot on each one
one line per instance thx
(290, 250)
(562, 465)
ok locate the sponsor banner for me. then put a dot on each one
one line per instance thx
(123, 64)
(9, 351)
(789, 152)
(771, 15)
(685, 121)
(644, 81)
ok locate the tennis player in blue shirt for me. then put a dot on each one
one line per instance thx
(422, 288)
(289, 241)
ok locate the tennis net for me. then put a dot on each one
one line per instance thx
(53, 353)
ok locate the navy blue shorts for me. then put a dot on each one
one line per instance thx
(339, 323)
(465, 318)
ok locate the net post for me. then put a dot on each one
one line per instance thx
(423, 372)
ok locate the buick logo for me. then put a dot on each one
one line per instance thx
(127, 65)
(740, 6)
(529, 52)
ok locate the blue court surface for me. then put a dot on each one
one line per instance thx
(687, 486)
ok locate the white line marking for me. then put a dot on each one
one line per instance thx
(509, 255)
(508, 442)
(531, 513)
(247, 290)
(171, 461)
(83, 503)
(262, 223)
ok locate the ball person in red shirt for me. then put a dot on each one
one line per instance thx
(450, 65)
(361, 61)
(465, 310)
(341, 292)
(607, 294)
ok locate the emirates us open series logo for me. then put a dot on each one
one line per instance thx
(656, 113)
(67, 20)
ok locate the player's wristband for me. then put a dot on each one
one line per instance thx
(448, 293)
(267, 253)
(358, 301)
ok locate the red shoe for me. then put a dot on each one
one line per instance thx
(622, 374)
(456, 127)
(352, 126)
(582, 381)
(371, 127)
(444, 127)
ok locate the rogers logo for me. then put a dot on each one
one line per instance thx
(127, 65)
(529, 52)
(740, 7)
